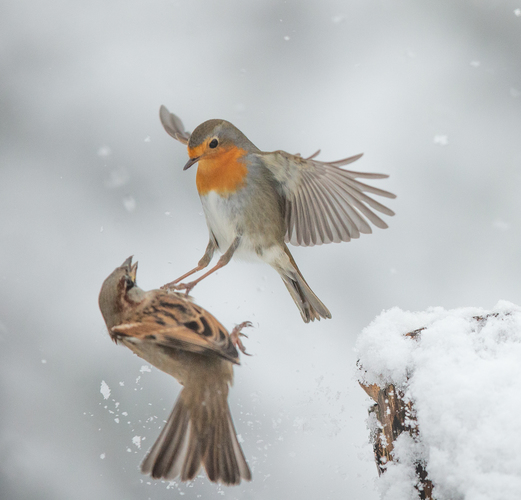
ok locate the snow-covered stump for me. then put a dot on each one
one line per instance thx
(447, 392)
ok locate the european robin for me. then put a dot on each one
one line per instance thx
(255, 202)
(182, 339)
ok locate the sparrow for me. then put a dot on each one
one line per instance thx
(182, 339)
(255, 202)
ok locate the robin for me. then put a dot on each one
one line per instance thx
(255, 202)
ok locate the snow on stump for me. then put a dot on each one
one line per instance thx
(447, 393)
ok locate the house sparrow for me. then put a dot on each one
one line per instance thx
(256, 201)
(182, 339)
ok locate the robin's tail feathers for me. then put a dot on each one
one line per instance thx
(310, 306)
(194, 438)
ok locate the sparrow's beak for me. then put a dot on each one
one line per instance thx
(128, 262)
(133, 272)
(191, 162)
(132, 268)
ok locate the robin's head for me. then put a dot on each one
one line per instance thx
(214, 138)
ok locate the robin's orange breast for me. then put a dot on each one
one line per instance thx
(223, 172)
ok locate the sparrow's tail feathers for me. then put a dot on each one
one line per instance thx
(167, 456)
(196, 435)
(224, 460)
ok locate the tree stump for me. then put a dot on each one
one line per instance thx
(394, 416)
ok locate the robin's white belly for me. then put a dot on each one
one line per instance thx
(224, 220)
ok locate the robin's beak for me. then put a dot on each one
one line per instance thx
(191, 162)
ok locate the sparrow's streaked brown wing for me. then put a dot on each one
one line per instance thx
(325, 203)
(171, 320)
(173, 125)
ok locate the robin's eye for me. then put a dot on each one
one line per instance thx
(129, 282)
(213, 143)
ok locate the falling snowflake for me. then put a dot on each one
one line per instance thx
(105, 390)
(441, 140)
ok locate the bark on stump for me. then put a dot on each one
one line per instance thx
(395, 416)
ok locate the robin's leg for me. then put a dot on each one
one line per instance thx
(225, 258)
(205, 260)
(237, 334)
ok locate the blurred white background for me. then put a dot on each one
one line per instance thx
(430, 91)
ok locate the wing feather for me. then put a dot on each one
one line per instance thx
(339, 176)
(172, 321)
(311, 223)
(345, 161)
(351, 202)
(173, 125)
(324, 231)
(306, 227)
(290, 221)
(325, 203)
(301, 222)
(345, 201)
(338, 219)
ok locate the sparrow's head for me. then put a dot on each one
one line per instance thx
(119, 293)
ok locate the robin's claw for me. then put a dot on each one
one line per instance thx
(186, 286)
(174, 286)
(170, 286)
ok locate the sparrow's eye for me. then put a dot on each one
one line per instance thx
(213, 143)
(128, 282)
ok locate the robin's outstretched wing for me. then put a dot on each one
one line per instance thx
(325, 203)
(170, 320)
(173, 125)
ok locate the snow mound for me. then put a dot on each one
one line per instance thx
(462, 372)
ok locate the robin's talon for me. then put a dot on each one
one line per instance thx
(169, 287)
(187, 287)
